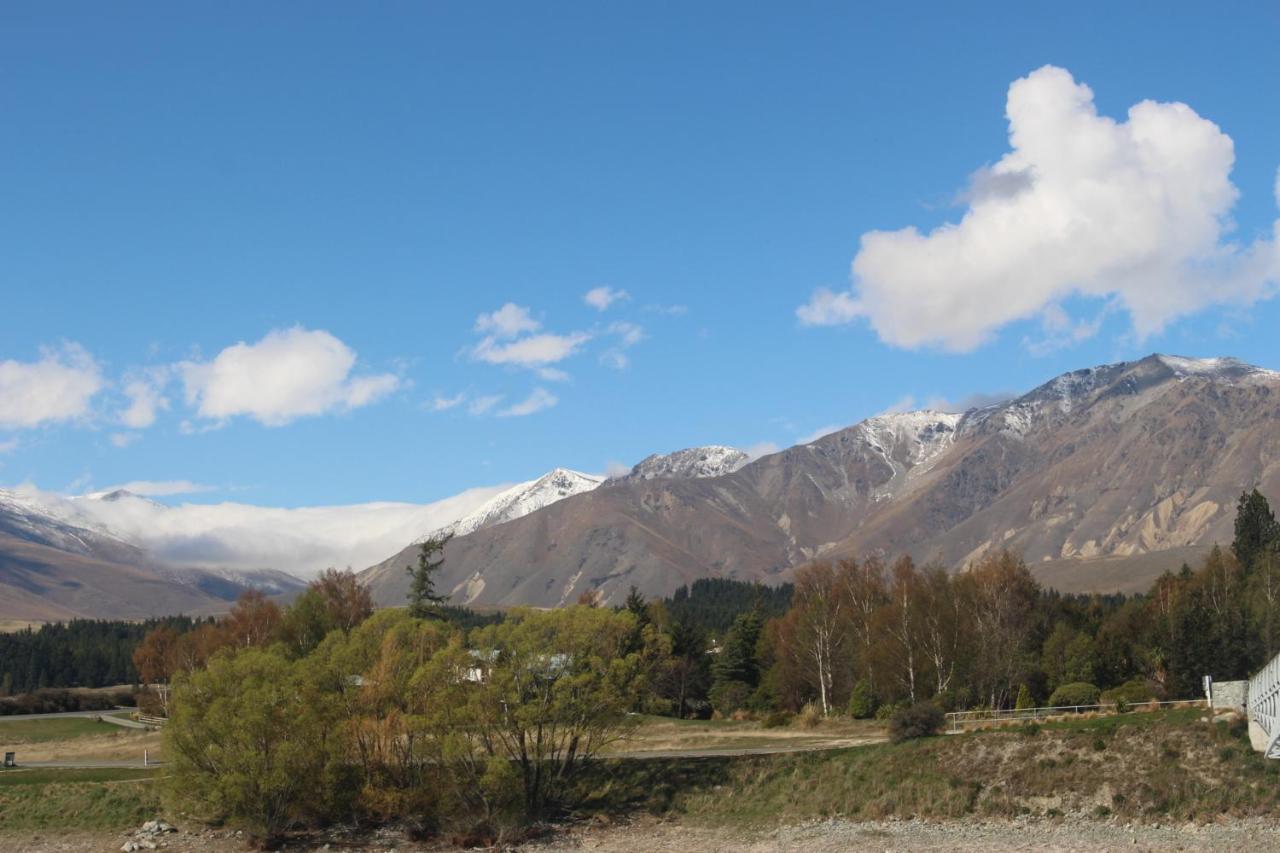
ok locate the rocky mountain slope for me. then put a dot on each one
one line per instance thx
(1101, 477)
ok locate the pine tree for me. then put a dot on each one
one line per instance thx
(1256, 529)
(424, 602)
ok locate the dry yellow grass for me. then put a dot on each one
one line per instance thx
(121, 745)
(663, 734)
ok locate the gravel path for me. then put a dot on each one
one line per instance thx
(646, 835)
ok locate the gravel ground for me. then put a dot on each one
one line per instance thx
(643, 836)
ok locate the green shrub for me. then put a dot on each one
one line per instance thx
(1025, 699)
(862, 701)
(777, 720)
(1076, 693)
(885, 712)
(1133, 692)
(919, 720)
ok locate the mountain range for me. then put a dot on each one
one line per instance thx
(1101, 477)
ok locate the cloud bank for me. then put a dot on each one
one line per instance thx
(239, 536)
(1134, 212)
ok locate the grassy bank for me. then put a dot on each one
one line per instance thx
(42, 800)
(1156, 766)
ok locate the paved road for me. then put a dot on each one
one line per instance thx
(105, 716)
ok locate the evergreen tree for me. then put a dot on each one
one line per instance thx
(1256, 529)
(424, 602)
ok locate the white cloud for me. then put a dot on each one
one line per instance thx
(8, 445)
(600, 298)
(530, 351)
(1135, 212)
(482, 405)
(507, 322)
(303, 541)
(145, 390)
(628, 335)
(819, 433)
(614, 468)
(761, 448)
(905, 403)
(552, 374)
(290, 373)
(443, 404)
(538, 400)
(124, 439)
(58, 387)
(616, 359)
(160, 488)
(669, 310)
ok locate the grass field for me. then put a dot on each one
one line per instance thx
(69, 800)
(14, 732)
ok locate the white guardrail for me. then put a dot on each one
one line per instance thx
(1264, 705)
(958, 720)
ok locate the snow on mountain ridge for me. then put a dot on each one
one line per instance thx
(712, 460)
(520, 500)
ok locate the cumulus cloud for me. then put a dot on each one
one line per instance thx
(1134, 212)
(57, 387)
(290, 373)
(124, 439)
(538, 400)
(600, 298)
(8, 445)
(145, 390)
(507, 322)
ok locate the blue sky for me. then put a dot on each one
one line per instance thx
(346, 196)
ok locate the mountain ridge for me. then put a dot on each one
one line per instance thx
(1108, 463)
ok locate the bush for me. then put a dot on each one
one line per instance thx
(920, 720)
(777, 720)
(1025, 699)
(885, 712)
(809, 716)
(1134, 692)
(862, 701)
(1076, 693)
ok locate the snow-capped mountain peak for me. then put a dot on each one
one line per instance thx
(691, 463)
(522, 499)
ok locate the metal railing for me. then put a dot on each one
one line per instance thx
(958, 720)
(1264, 705)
